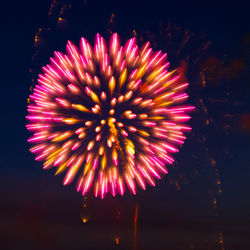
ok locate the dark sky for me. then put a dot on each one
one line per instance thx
(37, 212)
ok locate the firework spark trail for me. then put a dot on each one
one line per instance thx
(135, 224)
(111, 111)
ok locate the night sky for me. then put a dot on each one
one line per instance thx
(204, 202)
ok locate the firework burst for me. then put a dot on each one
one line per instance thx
(110, 114)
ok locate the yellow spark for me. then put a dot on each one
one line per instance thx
(123, 77)
(130, 146)
(53, 155)
(62, 137)
(128, 95)
(164, 96)
(156, 117)
(87, 167)
(84, 219)
(80, 136)
(74, 169)
(50, 160)
(101, 150)
(112, 85)
(90, 145)
(131, 84)
(104, 161)
(164, 104)
(111, 121)
(120, 98)
(80, 107)
(143, 116)
(111, 111)
(154, 74)
(131, 150)
(94, 97)
(61, 168)
(71, 120)
(143, 133)
(170, 81)
(97, 129)
(141, 71)
(88, 123)
(116, 240)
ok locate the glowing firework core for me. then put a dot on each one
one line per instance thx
(112, 113)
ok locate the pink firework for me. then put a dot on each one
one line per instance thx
(110, 115)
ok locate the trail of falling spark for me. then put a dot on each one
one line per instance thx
(135, 224)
